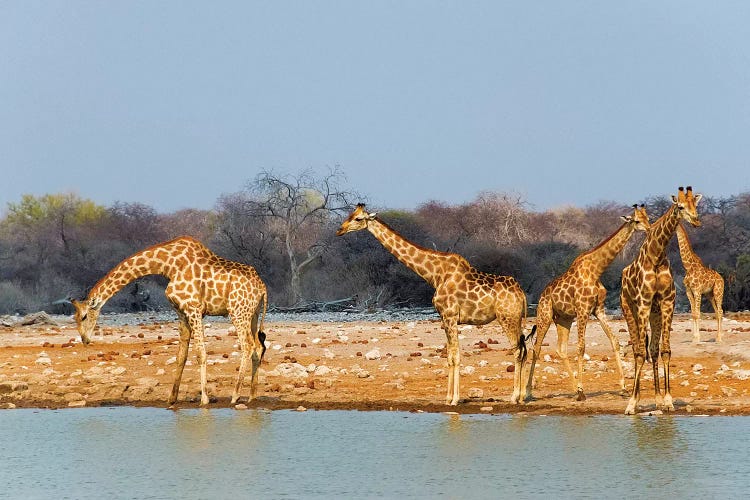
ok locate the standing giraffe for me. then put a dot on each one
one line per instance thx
(647, 297)
(200, 283)
(463, 295)
(700, 280)
(578, 293)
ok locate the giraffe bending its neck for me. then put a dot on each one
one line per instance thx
(578, 293)
(647, 297)
(700, 280)
(200, 283)
(463, 295)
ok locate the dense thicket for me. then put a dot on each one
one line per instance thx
(57, 246)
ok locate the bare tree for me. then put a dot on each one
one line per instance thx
(297, 210)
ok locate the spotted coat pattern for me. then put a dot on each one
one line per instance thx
(700, 280)
(200, 283)
(463, 295)
(578, 293)
(647, 297)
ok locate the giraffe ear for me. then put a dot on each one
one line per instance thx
(626, 218)
(698, 198)
(372, 215)
(674, 198)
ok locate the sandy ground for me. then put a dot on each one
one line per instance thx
(385, 365)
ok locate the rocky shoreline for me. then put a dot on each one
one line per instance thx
(358, 361)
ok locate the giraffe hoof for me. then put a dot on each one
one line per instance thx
(580, 396)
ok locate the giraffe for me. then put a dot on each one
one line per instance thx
(578, 293)
(647, 297)
(700, 280)
(200, 283)
(462, 296)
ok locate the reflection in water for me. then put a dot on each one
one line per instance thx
(154, 453)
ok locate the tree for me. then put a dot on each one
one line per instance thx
(297, 211)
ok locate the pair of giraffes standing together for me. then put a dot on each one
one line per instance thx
(201, 283)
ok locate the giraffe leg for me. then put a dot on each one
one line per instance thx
(716, 300)
(655, 320)
(695, 312)
(581, 322)
(243, 333)
(448, 309)
(543, 321)
(637, 339)
(563, 332)
(512, 328)
(258, 348)
(666, 350)
(454, 360)
(601, 316)
(196, 325)
(636, 394)
(181, 357)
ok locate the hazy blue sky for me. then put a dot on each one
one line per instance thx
(172, 103)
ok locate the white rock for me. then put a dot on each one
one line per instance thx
(328, 354)
(467, 370)
(311, 368)
(475, 392)
(425, 361)
(483, 363)
(373, 354)
(119, 370)
(316, 340)
(586, 356)
(547, 358)
(550, 370)
(160, 371)
(171, 360)
(322, 370)
(43, 361)
(697, 368)
(363, 374)
(291, 370)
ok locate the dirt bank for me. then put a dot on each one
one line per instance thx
(359, 365)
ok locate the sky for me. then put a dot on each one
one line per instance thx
(174, 103)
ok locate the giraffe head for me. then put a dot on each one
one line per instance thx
(687, 203)
(86, 315)
(356, 221)
(639, 218)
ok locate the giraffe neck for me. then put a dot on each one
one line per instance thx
(602, 255)
(424, 262)
(659, 235)
(689, 258)
(152, 260)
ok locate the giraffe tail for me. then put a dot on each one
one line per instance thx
(261, 334)
(522, 343)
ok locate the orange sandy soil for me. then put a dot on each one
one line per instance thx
(47, 367)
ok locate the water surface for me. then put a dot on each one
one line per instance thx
(158, 453)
